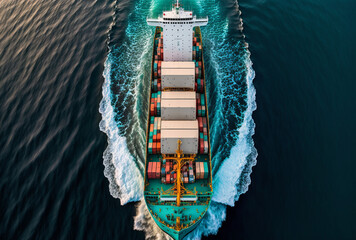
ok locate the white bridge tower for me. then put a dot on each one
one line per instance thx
(177, 27)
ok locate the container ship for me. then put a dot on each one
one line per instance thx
(178, 179)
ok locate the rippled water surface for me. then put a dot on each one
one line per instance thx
(74, 79)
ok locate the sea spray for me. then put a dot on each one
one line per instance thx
(144, 222)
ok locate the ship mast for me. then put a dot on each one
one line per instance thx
(178, 188)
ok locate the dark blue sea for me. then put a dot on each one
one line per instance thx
(281, 83)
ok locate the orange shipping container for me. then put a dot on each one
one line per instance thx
(158, 147)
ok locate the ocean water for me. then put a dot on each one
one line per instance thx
(73, 89)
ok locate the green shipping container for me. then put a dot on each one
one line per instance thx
(206, 170)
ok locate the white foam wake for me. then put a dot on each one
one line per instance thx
(125, 179)
(241, 155)
(229, 183)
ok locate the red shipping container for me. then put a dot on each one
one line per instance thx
(159, 64)
(153, 170)
(196, 86)
(154, 138)
(159, 137)
(156, 107)
(154, 167)
(149, 170)
(175, 176)
(168, 178)
(201, 144)
(200, 122)
(158, 170)
(155, 74)
(159, 86)
(199, 63)
(154, 148)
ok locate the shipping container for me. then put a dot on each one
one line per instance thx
(149, 170)
(178, 78)
(158, 147)
(197, 170)
(154, 169)
(179, 125)
(178, 110)
(206, 170)
(150, 150)
(179, 95)
(189, 139)
(158, 170)
(177, 65)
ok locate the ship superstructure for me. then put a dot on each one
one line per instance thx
(178, 180)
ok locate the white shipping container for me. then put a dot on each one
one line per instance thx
(189, 139)
(179, 95)
(178, 78)
(177, 65)
(206, 147)
(178, 109)
(179, 125)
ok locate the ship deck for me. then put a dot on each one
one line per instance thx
(165, 212)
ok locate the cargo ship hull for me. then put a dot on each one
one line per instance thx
(178, 179)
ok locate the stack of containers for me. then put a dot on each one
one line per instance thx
(156, 83)
(170, 172)
(154, 170)
(203, 135)
(155, 107)
(197, 53)
(205, 132)
(154, 139)
(202, 170)
(160, 48)
(198, 69)
(201, 108)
